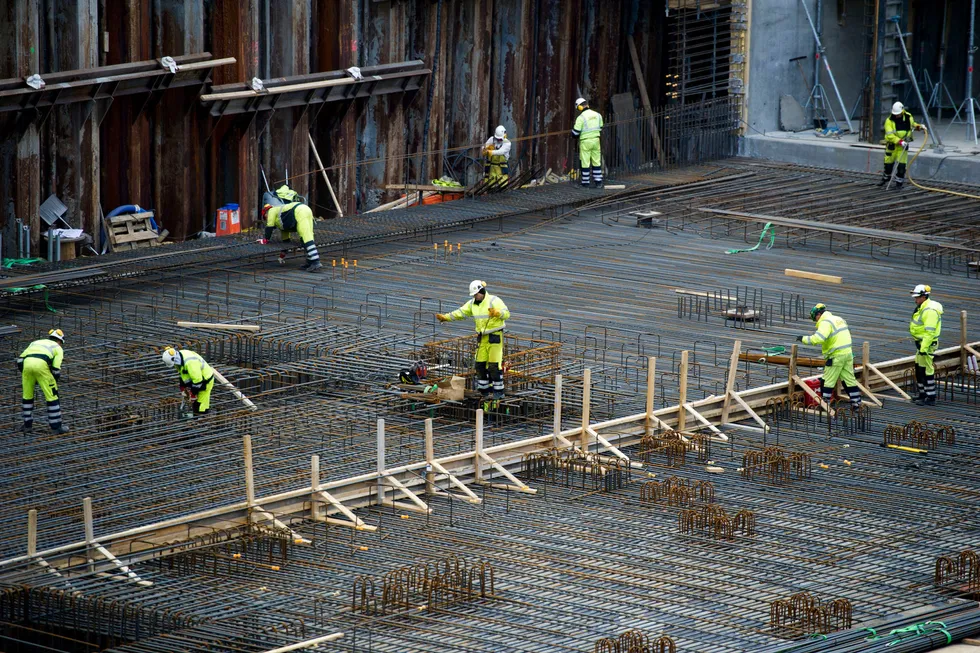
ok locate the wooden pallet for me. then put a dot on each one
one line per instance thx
(128, 232)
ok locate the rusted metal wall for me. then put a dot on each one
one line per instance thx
(520, 63)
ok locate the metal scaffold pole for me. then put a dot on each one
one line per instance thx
(817, 87)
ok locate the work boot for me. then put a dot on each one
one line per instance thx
(899, 184)
(929, 401)
(599, 185)
(61, 430)
(27, 428)
(315, 266)
(883, 182)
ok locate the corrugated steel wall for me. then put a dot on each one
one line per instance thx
(520, 63)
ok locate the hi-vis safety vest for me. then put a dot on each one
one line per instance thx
(832, 335)
(927, 324)
(481, 314)
(588, 126)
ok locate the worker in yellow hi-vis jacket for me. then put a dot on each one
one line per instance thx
(40, 365)
(288, 218)
(196, 377)
(588, 128)
(834, 338)
(489, 314)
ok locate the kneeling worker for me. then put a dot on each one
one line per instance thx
(196, 377)
(489, 314)
(288, 218)
(834, 338)
(40, 364)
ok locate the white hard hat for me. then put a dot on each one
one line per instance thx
(499, 132)
(922, 290)
(897, 109)
(476, 286)
(57, 334)
(579, 102)
(171, 357)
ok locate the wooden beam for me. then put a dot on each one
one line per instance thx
(235, 391)
(641, 86)
(430, 477)
(704, 420)
(411, 496)
(888, 381)
(516, 483)
(471, 497)
(586, 405)
(557, 431)
(963, 365)
(777, 359)
(868, 393)
(220, 327)
(651, 379)
(813, 395)
(865, 361)
(730, 383)
(793, 362)
(478, 448)
(813, 276)
(748, 409)
(682, 399)
(326, 179)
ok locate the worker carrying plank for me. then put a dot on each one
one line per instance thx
(40, 364)
(288, 218)
(834, 338)
(496, 155)
(196, 377)
(588, 129)
(898, 134)
(489, 314)
(925, 327)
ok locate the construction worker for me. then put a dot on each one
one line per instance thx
(925, 327)
(898, 134)
(288, 218)
(196, 377)
(496, 152)
(489, 313)
(40, 364)
(834, 338)
(588, 127)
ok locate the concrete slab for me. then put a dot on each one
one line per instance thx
(959, 163)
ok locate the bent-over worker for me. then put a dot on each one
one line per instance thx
(834, 338)
(288, 218)
(489, 314)
(40, 364)
(196, 377)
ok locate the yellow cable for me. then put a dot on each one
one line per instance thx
(935, 190)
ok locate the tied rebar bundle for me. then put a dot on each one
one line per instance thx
(635, 641)
(234, 551)
(678, 492)
(435, 585)
(675, 445)
(960, 571)
(806, 613)
(777, 465)
(572, 468)
(98, 621)
(712, 520)
(919, 435)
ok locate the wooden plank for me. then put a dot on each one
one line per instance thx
(888, 381)
(777, 359)
(641, 86)
(426, 187)
(730, 383)
(813, 276)
(651, 378)
(139, 237)
(682, 399)
(224, 327)
(813, 395)
(869, 394)
(701, 293)
(130, 217)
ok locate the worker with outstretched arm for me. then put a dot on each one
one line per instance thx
(489, 314)
(834, 338)
(288, 218)
(898, 134)
(40, 364)
(496, 155)
(196, 377)
(925, 327)
(588, 130)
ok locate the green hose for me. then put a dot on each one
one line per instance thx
(772, 240)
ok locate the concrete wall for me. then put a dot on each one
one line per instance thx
(780, 32)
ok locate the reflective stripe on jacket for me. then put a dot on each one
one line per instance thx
(832, 334)
(480, 314)
(927, 323)
(899, 128)
(194, 370)
(588, 126)
(46, 349)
